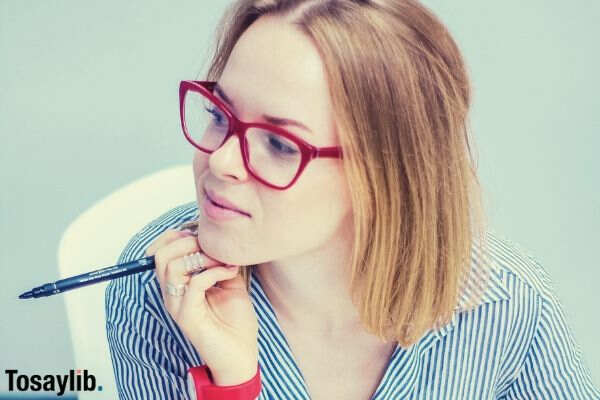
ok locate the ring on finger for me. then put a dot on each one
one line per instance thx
(194, 263)
(175, 290)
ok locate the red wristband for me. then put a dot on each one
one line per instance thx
(201, 386)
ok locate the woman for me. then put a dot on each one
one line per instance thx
(354, 261)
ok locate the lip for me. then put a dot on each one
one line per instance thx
(223, 202)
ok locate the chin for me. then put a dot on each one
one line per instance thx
(214, 244)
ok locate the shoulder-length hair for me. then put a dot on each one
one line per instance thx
(400, 93)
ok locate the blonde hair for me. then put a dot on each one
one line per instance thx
(400, 93)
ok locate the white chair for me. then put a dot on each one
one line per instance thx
(95, 240)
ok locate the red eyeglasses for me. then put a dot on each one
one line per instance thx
(271, 154)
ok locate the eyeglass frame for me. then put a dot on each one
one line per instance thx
(308, 152)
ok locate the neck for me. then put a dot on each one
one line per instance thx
(311, 291)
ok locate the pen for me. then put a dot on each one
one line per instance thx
(88, 278)
(99, 275)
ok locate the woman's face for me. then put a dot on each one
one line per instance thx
(274, 69)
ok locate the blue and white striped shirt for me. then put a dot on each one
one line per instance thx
(515, 344)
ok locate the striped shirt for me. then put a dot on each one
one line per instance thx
(514, 344)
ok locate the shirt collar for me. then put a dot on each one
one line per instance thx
(410, 359)
(475, 293)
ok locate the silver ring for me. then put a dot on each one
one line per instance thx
(194, 263)
(176, 290)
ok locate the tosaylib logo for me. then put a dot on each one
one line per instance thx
(77, 380)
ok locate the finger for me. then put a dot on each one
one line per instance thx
(176, 271)
(163, 239)
(165, 259)
(173, 250)
(237, 282)
(195, 296)
(173, 275)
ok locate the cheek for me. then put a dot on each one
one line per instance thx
(200, 169)
(307, 209)
(280, 209)
(300, 224)
(200, 163)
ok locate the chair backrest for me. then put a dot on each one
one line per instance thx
(95, 239)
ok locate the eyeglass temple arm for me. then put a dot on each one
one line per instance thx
(328, 152)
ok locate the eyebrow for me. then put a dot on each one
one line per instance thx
(271, 119)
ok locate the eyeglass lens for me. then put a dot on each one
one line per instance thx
(271, 156)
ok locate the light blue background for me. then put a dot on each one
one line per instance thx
(88, 102)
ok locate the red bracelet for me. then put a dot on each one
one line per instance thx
(201, 386)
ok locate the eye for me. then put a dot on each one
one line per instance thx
(280, 147)
(218, 116)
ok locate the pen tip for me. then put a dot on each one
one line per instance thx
(26, 295)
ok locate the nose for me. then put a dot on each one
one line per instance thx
(227, 162)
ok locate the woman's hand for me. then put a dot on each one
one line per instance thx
(218, 320)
